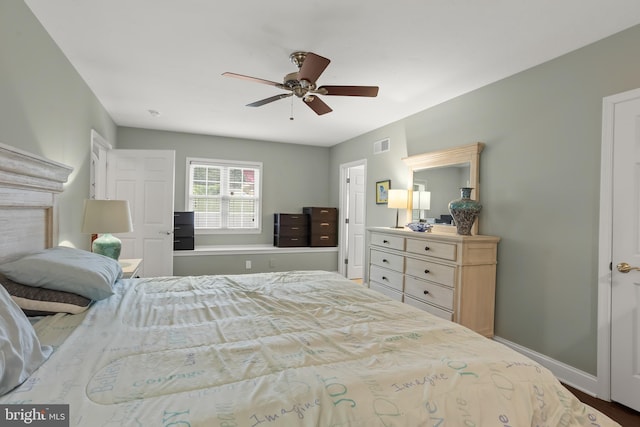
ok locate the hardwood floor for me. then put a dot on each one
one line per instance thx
(626, 417)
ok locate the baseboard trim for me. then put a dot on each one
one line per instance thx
(569, 375)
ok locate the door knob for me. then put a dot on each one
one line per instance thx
(623, 267)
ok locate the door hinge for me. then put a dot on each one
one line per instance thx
(346, 261)
(348, 180)
(346, 220)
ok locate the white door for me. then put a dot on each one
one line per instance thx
(625, 286)
(146, 179)
(356, 225)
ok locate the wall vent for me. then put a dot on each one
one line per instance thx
(381, 146)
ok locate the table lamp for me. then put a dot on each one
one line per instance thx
(421, 202)
(105, 217)
(398, 199)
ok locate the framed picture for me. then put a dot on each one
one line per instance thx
(382, 191)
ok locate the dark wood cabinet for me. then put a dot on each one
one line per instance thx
(183, 231)
(323, 226)
(290, 230)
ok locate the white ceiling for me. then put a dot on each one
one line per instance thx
(168, 56)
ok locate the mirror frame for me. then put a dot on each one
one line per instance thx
(448, 157)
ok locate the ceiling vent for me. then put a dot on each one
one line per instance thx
(381, 146)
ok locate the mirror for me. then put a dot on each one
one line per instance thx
(434, 188)
(436, 178)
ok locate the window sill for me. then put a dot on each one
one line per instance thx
(251, 250)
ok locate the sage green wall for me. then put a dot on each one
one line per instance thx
(539, 174)
(294, 175)
(47, 109)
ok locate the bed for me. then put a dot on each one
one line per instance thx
(296, 348)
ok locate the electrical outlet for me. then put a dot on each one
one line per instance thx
(247, 264)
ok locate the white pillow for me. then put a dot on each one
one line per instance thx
(66, 269)
(20, 350)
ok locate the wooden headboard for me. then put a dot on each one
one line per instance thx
(29, 186)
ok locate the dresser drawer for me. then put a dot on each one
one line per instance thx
(183, 217)
(393, 279)
(429, 292)
(387, 260)
(183, 230)
(291, 219)
(324, 227)
(183, 243)
(321, 214)
(436, 311)
(439, 273)
(323, 239)
(385, 290)
(387, 241)
(290, 241)
(432, 248)
(291, 230)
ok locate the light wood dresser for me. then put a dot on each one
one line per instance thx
(451, 276)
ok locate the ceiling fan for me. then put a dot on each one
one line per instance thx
(302, 83)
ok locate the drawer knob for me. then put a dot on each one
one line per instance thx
(385, 260)
(426, 272)
(385, 278)
(426, 292)
(426, 248)
(385, 241)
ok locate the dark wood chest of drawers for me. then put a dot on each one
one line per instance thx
(183, 231)
(323, 226)
(290, 230)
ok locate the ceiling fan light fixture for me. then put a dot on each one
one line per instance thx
(298, 58)
(291, 79)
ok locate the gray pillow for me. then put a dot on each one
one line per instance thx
(20, 350)
(44, 302)
(66, 269)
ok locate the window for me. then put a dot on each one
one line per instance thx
(224, 195)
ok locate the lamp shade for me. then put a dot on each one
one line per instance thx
(398, 199)
(106, 216)
(422, 200)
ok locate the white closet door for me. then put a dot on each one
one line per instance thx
(625, 287)
(146, 179)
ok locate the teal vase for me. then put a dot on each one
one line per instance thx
(464, 211)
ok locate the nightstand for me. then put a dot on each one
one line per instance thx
(130, 267)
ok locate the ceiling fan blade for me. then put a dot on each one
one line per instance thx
(270, 99)
(317, 105)
(349, 90)
(312, 66)
(254, 79)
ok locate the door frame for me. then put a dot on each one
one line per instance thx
(98, 166)
(605, 237)
(343, 237)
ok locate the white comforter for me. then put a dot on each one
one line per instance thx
(285, 349)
